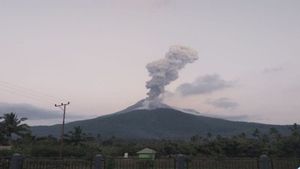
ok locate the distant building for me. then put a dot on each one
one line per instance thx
(5, 147)
(146, 153)
(125, 155)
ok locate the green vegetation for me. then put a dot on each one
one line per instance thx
(83, 145)
(10, 125)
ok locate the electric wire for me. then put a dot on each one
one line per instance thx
(27, 93)
(28, 90)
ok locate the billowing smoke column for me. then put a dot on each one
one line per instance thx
(164, 71)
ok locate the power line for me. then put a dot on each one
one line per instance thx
(24, 95)
(63, 106)
(28, 93)
(18, 87)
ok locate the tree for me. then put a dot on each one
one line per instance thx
(209, 135)
(11, 124)
(274, 133)
(295, 129)
(256, 134)
(2, 138)
(77, 136)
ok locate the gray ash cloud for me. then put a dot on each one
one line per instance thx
(164, 71)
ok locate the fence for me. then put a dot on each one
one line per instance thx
(4, 163)
(285, 163)
(132, 163)
(180, 162)
(56, 164)
(234, 163)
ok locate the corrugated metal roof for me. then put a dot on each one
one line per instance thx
(146, 151)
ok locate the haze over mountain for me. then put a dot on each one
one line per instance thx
(35, 114)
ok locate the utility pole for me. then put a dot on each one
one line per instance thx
(63, 106)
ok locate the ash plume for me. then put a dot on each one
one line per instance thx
(165, 70)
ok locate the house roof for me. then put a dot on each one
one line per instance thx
(146, 151)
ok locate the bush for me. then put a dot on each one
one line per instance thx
(4, 153)
(44, 151)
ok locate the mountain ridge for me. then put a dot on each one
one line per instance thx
(157, 123)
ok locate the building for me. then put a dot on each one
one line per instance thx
(5, 147)
(146, 153)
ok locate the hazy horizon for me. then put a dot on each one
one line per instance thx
(94, 54)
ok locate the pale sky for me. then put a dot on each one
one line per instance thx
(93, 53)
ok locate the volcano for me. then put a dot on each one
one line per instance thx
(146, 105)
(162, 122)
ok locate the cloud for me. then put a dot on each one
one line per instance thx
(204, 85)
(161, 3)
(238, 118)
(224, 103)
(29, 111)
(234, 117)
(273, 69)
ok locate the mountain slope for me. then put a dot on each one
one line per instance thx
(157, 123)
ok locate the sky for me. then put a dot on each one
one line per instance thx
(94, 53)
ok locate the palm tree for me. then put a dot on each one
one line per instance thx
(11, 124)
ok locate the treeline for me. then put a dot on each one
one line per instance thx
(81, 145)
